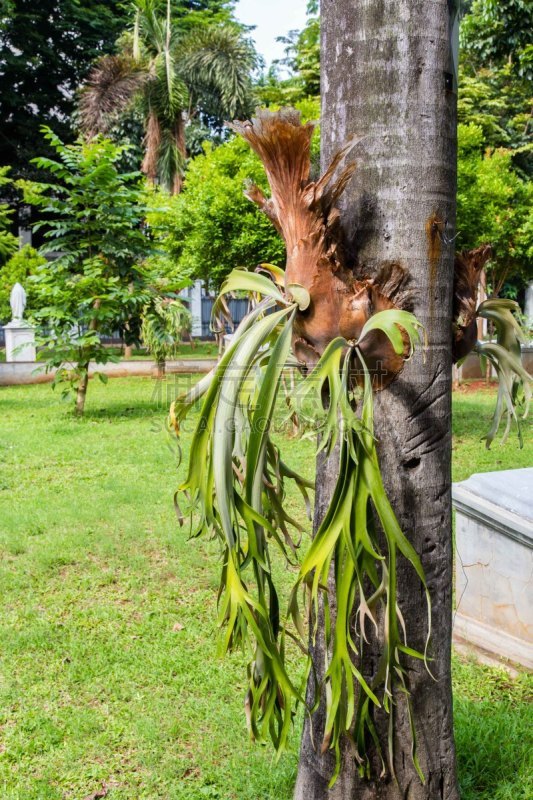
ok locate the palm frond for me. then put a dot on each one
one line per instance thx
(167, 93)
(150, 25)
(109, 90)
(217, 61)
(152, 144)
(170, 159)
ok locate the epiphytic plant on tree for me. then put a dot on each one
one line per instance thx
(504, 354)
(350, 335)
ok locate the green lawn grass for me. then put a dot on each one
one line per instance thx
(109, 669)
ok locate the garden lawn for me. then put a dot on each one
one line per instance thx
(109, 674)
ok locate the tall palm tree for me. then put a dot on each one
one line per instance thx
(173, 75)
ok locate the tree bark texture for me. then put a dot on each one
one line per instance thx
(81, 392)
(387, 76)
(161, 368)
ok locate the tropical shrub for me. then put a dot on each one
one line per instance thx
(165, 317)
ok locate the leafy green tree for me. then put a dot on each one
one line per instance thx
(93, 221)
(24, 263)
(195, 13)
(495, 156)
(211, 227)
(46, 50)
(8, 242)
(496, 68)
(173, 73)
(302, 58)
(495, 32)
(500, 104)
(494, 205)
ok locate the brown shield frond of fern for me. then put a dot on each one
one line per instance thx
(468, 267)
(110, 88)
(305, 214)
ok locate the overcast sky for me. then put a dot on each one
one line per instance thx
(272, 18)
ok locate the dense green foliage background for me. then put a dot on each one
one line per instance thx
(46, 50)
(212, 227)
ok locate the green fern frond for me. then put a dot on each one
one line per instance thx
(505, 355)
(235, 489)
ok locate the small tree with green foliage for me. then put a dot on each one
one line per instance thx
(93, 220)
(165, 316)
(494, 205)
(211, 228)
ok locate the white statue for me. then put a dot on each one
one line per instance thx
(17, 299)
(20, 336)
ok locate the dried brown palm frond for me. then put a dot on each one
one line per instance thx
(468, 267)
(110, 88)
(305, 214)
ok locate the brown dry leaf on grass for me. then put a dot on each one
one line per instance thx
(99, 794)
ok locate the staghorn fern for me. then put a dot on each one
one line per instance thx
(235, 489)
(505, 355)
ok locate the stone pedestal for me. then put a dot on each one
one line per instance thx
(193, 295)
(195, 307)
(528, 305)
(20, 341)
(494, 564)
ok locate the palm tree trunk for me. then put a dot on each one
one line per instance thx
(152, 143)
(387, 76)
(179, 139)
